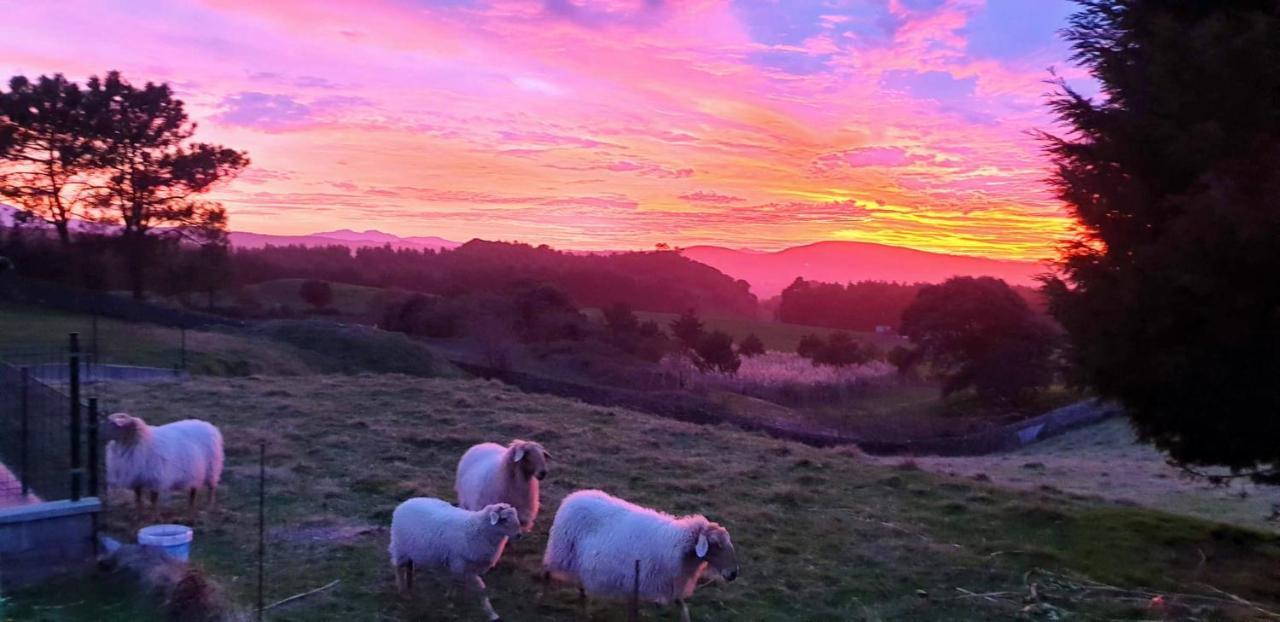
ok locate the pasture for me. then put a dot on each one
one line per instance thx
(822, 534)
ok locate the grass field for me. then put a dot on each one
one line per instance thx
(822, 534)
(277, 347)
(347, 299)
(775, 335)
(1106, 460)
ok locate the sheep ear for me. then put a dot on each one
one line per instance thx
(493, 517)
(700, 549)
(519, 454)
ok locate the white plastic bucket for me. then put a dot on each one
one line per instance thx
(173, 540)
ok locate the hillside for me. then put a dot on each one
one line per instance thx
(822, 535)
(841, 262)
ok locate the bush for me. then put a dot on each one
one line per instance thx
(716, 352)
(356, 348)
(687, 329)
(809, 346)
(316, 293)
(750, 346)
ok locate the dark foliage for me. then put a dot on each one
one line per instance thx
(316, 293)
(751, 346)
(979, 333)
(118, 156)
(1173, 179)
(809, 345)
(715, 351)
(905, 359)
(839, 349)
(861, 306)
(649, 281)
(687, 329)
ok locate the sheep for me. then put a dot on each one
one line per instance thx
(431, 533)
(490, 473)
(596, 539)
(181, 455)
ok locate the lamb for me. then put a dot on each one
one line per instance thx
(435, 535)
(490, 473)
(596, 539)
(176, 456)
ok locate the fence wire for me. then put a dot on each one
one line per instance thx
(49, 446)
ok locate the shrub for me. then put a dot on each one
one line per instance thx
(750, 346)
(687, 329)
(716, 352)
(316, 293)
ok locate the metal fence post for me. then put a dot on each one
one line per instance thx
(24, 406)
(76, 471)
(93, 446)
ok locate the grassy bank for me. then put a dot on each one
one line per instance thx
(823, 535)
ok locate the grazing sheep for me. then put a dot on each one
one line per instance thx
(596, 539)
(435, 535)
(490, 473)
(176, 456)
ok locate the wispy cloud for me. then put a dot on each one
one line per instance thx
(603, 124)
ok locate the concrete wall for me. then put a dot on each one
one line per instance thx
(42, 539)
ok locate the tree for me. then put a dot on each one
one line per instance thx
(687, 329)
(153, 176)
(979, 333)
(47, 147)
(715, 351)
(316, 293)
(841, 350)
(1171, 176)
(750, 346)
(620, 319)
(809, 345)
(905, 359)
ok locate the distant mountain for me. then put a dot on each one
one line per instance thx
(840, 262)
(341, 237)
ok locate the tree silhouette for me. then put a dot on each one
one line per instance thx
(46, 148)
(751, 346)
(153, 176)
(979, 333)
(1167, 296)
(316, 293)
(687, 329)
(715, 351)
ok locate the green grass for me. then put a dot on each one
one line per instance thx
(775, 335)
(347, 299)
(822, 534)
(283, 347)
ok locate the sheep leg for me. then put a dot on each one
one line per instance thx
(213, 497)
(155, 504)
(408, 575)
(137, 503)
(477, 584)
(684, 610)
(191, 501)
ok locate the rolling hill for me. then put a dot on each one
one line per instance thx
(840, 262)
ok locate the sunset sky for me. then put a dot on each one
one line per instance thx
(603, 124)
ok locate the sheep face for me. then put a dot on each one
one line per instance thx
(122, 427)
(714, 547)
(504, 519)
(530, 458)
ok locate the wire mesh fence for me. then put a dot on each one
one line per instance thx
(49, 445)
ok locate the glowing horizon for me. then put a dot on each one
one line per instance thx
(604, 125)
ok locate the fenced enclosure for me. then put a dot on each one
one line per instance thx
(49, 446)
(50, 462)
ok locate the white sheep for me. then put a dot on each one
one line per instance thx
(183, 455)
(596, 539)
(434, 535)
(490, 473)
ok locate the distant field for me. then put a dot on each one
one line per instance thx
(348, 300)
(32, 334)
(822, 535)
(775, 335)
(1106, 460)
